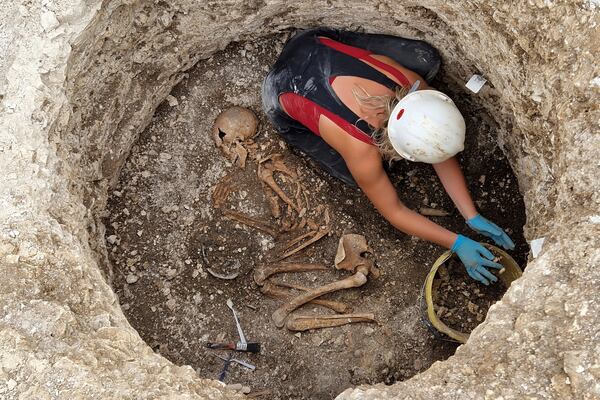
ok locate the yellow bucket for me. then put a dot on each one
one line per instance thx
(511, 273)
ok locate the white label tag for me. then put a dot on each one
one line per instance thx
(476, 83)
(536, 246)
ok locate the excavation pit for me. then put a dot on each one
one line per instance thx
(165, 229)
(79, 83)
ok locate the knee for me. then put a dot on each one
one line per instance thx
(270, 98)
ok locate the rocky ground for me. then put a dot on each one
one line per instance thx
(162, 217)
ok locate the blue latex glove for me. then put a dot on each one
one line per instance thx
(481, 225)
(476, 258)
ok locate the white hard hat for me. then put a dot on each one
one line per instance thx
(426, 126)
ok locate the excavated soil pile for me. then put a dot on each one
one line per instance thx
(460, 302)
(79, 86)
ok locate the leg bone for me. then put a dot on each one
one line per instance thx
(279, 316)
(263, 272)
(271, 290)
(306, 322)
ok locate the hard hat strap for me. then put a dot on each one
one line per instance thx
(415, 86)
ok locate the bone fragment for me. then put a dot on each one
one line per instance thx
(301, 224)
(323, 231)
(263, 272)
(288, 219)
(356, 280)
(266, 170)
(312, 225)
(306, 322)
(227, 277)
(326, 217)
(298, 239)
(336, 306)
(231, 264)
(351, 249)
(240, 154)
(351, 254)
(259, 393)
(271, 290)
(273, 203)
(249, 221)
(221, 192)
(277, 164)
(433, 212)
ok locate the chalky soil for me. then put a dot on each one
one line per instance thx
(163, 233)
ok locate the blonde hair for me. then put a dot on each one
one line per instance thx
(385, 105)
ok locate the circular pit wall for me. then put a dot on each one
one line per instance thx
(82, 81)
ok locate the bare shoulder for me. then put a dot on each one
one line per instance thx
(363, 151)
(343, 142)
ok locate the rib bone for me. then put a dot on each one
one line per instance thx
(306, 322)
(298, 239)
(263, 272)
(271, 290)
(356, 280)
(254, 223)
(221, 192)
(323, 231)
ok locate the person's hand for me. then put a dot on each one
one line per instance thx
(476, 258)
(481, 225)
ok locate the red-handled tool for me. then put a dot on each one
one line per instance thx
(242, 345)
(251, 347)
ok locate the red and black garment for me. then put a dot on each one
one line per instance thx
(302, 76)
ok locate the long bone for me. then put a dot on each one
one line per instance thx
(272, 290)
(266, 170)
(340, 307)
(356, 280)
(261, 273)
(306, 322)
(317, 235)
(297, 239)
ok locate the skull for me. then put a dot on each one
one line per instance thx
(233, 127)
(352, 252)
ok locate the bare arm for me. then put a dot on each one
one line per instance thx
(368, 172)
(454, 182)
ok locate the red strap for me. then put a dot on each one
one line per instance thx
(308, 114)
(365, 55)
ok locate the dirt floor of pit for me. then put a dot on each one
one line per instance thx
(161, 216)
